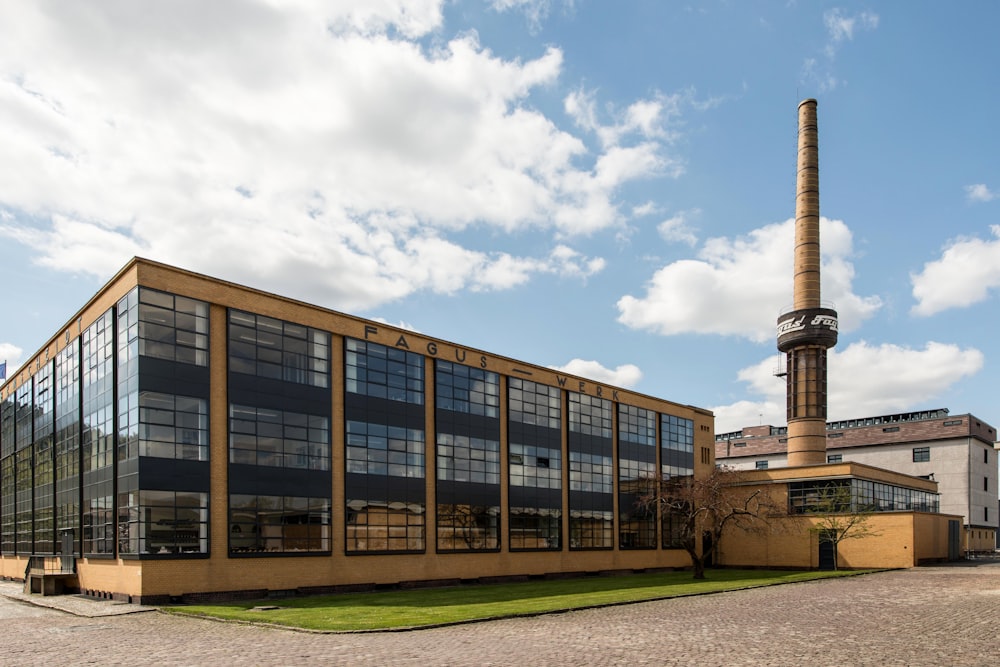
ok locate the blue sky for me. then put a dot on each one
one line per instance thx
(606, 188)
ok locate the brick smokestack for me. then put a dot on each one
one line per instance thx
(808, 330)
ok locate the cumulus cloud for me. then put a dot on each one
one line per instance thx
(966, 273)
(625, 376)
(739, 286)
(864, 380)
(979, 193)
(322, 149)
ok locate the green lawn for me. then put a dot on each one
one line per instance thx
(432, 606)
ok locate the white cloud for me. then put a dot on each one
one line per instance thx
(677, 228)
(966, 272)
(840, 28)
(625, 376)
(739, 286)
(536, 11)
(321, 150)
(864, 380)
(979, 193)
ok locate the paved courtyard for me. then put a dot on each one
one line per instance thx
(926, 616)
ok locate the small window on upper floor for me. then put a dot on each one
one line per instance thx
(921, 454)
(761, 465)
(834, 458)
(986, 456)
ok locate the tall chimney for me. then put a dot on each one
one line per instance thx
(809, 330)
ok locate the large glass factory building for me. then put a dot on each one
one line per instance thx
(182, 437)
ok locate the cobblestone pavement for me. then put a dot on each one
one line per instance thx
(925, 616)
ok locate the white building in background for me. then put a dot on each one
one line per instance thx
(959, 452)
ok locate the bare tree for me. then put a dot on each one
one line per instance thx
(700, 507)
(839, 517)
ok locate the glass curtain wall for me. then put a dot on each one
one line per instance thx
(99, 435)
(280, 490)
(44, 440)
(385, 487)
(535, 469)
(67, 445)
(468, 457)
(676, 460)
(7, 481)
(636, 469)
(591, 479)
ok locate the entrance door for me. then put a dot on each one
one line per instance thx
(954, 540)
(827, 551)
(68, 558)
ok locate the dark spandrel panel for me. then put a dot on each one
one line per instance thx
(278, 481)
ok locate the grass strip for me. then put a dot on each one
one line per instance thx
(385, 610)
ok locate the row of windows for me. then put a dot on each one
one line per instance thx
(467, 390)
(163, 326)
(857, 495)
(590, 472)
(589, 415)
(538, 467)
(461, 458)
(278, 438)
(383, 372)
(377, 449)
(532, 403)
(279, 350)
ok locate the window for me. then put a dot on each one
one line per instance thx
(383, 372)
(590, 472)
(921, 454)
(986, 456)
(890, 429)
(278, 438)
(761, 465)
(162, 522)
(834, 458)
(270, 348)
(706, 455)
(165, 326)
(278, 524)
(986, 514)
(589, 415)
(676, 446)
(986, 483)
(377, 449)
(467, 390)
(534, 404)
(173, 427)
